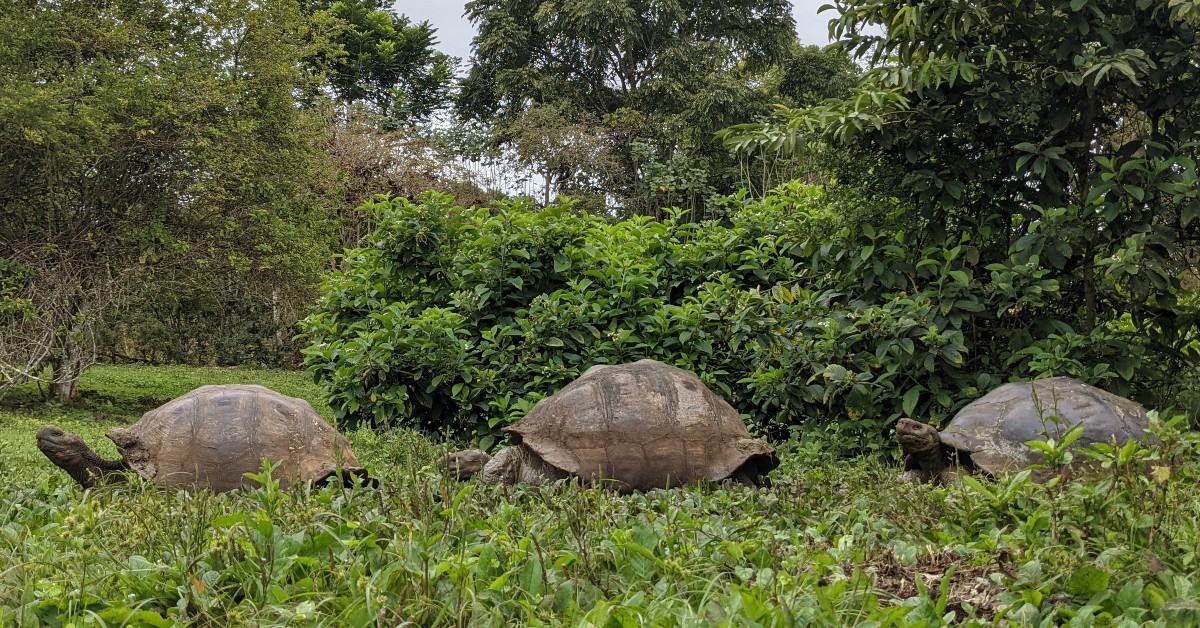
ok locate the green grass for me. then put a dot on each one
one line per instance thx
(831, 542)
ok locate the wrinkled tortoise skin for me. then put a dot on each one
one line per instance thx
(995, 427)
(642, 425)
(214, 435)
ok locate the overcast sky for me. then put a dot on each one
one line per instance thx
(454, 32)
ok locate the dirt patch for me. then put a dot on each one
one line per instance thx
(969, 584)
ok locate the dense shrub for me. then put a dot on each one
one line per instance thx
(801, 309)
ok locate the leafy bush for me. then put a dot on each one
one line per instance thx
(803, 308)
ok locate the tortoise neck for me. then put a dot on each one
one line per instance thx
(92, 467)
(933, 460)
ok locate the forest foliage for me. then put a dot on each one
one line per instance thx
(1012, 193)
(1063, 134)
(147, 143)
(653, 81)
(173, 176)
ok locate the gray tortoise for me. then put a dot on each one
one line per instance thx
(211, 438)
(635, 426)
(990, 433)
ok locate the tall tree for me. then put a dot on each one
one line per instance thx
(667, 72)
(145, 140)
(385, 61)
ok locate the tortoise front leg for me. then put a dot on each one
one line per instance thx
(916, 476)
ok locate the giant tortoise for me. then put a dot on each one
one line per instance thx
(990, 433)
(211, 438)
(635, 426)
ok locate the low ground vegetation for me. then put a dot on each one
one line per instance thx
(833, 541)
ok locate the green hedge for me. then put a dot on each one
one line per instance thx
(800, 309)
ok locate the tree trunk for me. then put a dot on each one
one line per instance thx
(64, 391)
(64, 382)
(74, 341)
(277, 318)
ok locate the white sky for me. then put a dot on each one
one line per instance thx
(454, 32)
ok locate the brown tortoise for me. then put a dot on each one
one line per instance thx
(635, 426)
(211, 438)
(990, 433)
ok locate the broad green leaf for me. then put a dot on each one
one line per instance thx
(1088, 581)
(531, 577)
(910, 400)
(1130, 595)
(135, 619)
(1135, 191)
(229, 520)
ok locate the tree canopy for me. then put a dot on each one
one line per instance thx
(601, 56)
(666, 73)
(386, 61)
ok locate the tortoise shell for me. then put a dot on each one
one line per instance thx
(645, 425)
(214, 435)
(994, 428)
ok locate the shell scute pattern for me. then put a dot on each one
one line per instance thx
(214, 435)
(645, 424)
(995, 427)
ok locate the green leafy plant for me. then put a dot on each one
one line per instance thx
(803, 309)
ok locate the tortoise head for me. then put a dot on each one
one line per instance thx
(917, 438)
(71, 454)
(462, 465)
(62, 447)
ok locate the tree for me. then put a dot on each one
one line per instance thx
(670, 73)
(769, 155)
(601, 56)
(810, 74)
(144, 142)
(568, 156)
(1058, 134)
(385, 61)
